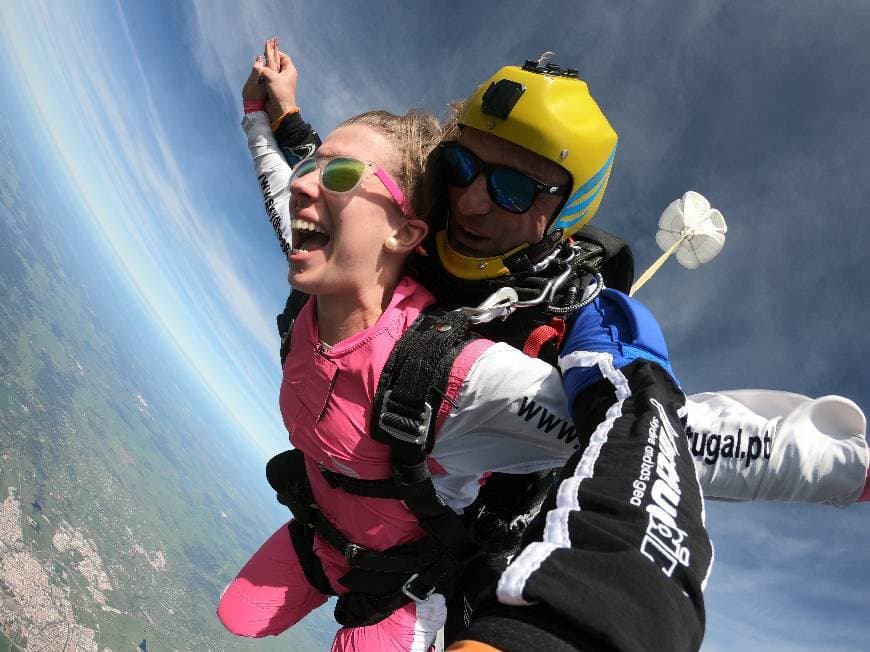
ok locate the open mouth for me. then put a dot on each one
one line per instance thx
(471, 235)
(307, 236)
(469, 242)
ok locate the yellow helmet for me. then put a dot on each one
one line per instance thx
(548, 110)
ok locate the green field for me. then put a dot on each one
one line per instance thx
(125, 453)
(5, 644)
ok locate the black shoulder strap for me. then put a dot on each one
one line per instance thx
(617, 268)
(414, 380)
(410, 392)
(287, 318)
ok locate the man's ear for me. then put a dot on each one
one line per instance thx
(411, 233)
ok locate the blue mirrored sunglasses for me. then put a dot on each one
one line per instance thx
(510, 189)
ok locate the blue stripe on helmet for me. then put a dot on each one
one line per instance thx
(586, 187)
(582, 205)
(569, 214)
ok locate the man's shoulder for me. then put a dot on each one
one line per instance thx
(614, 327)
(629, 322)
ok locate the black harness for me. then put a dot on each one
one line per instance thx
(409, 396)
(406, 406)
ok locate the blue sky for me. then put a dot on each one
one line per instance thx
(763, 107)
(168, 204)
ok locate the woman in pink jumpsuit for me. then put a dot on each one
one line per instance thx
(349, 253)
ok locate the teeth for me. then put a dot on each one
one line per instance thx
(305, 225)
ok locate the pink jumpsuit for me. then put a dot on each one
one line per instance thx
(326, 402)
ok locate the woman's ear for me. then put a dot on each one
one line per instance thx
(410, 234)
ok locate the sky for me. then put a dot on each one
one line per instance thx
(761, 106)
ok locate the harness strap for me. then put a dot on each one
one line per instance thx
(370, 602)
(405, 478)
(302, 538)
(410, 387)
(372, 488)
(286, 319)
(554, 330)
(294, 491)
(447, 537)
(379, 581)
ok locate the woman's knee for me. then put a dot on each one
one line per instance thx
(256, 611)
(238, 613)
(270, 594)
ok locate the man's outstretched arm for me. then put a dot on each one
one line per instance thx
(618, 556)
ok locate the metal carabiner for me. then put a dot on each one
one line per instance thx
(504, 301)
(498, 305)
(550, 288)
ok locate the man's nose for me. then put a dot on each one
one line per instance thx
(475, 199)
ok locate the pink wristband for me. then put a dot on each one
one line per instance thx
(254, 105)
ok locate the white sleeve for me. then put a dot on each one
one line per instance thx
(511, 416)
(771, 445)
(273, 175)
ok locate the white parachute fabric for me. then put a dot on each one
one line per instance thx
(698, 227)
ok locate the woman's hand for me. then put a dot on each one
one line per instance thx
(254, 91)
(279, 78)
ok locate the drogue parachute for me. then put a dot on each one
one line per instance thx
(692, 229)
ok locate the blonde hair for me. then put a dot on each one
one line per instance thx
(414, 136)
(450, 128)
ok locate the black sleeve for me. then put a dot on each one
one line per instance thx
(296, 139)
(618, 556)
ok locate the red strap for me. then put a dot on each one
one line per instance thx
(555, 330)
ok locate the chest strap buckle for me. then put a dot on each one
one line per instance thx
(413, 430)
(351, 552)
(418, 592)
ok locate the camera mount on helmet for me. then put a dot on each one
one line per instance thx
(539, 66)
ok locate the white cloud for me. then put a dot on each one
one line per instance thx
(336, 77)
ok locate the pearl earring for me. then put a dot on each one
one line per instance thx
(391, 243)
